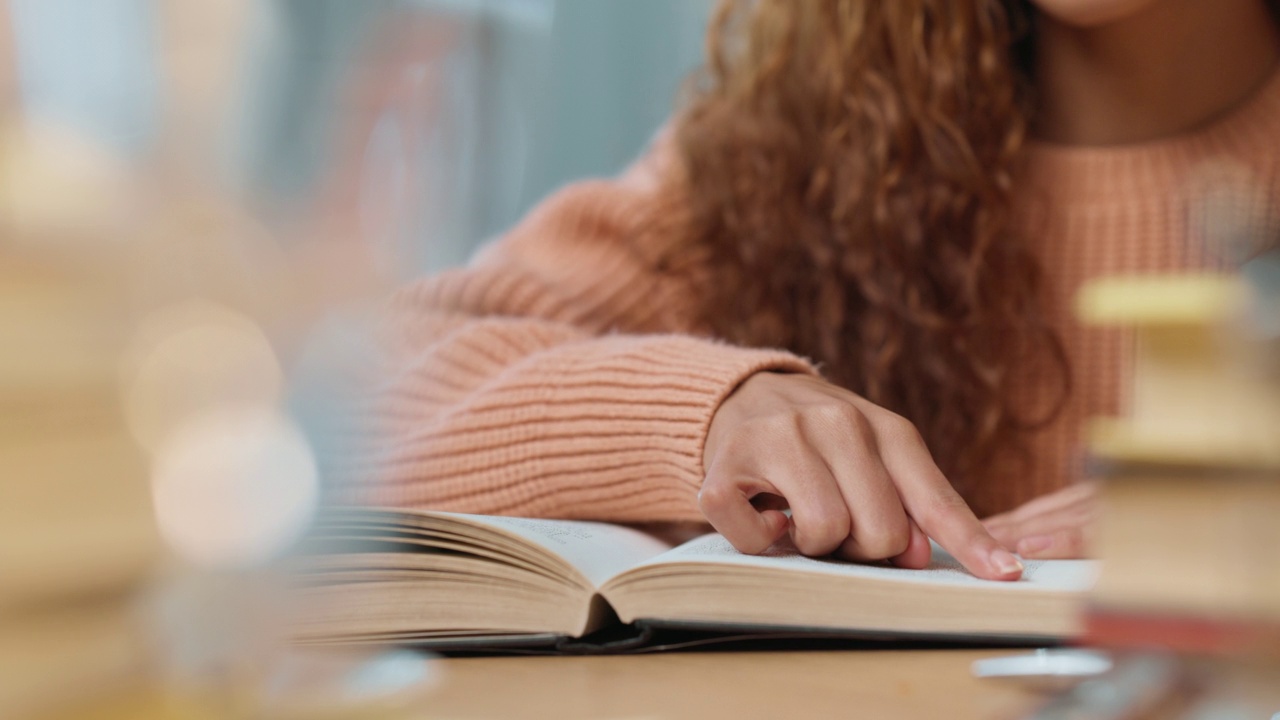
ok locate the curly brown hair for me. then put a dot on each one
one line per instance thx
(849, 169)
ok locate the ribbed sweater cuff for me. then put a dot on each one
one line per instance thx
(656, 400)
(607, 428)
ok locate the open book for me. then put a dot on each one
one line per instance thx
(454, 581)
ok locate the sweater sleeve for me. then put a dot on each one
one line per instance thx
(558, 375)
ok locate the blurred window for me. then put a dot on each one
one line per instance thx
(90, 65)
(418, 127)
(426, 126)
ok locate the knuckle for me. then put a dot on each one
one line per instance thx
(714, 495)
(898, 429)
(846, 413)
(887, 542)
(821, 534)
(843, 419)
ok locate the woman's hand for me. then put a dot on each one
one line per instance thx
(858, 479)
(1058, 525)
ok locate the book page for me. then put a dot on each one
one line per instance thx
(598, 550)
(943, 569)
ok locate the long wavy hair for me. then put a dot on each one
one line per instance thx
(849, 168)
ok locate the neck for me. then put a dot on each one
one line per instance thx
(1173, 67)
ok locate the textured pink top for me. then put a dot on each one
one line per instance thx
(559, 375)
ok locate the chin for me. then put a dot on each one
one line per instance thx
(1091, 13)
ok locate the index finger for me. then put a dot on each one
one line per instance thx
(940, 511)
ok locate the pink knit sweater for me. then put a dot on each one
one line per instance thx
(559, 375)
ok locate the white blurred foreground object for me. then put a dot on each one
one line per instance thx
(234, 481)
(150, 475)
(1047, 668)
(317, 684)
(234, 487)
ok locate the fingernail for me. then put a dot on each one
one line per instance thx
(1005, 562)
(1034, 544)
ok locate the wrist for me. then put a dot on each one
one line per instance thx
(726, 414)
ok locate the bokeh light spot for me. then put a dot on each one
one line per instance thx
(234, 487)
(192, 358)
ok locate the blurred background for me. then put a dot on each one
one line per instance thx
(197, 202)
(446, 118)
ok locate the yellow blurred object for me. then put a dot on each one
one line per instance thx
(1192, 545)
(75, 515)
(1201, 395)
(1147, 301)
(77, 534)
(57, 190)
(77, 537)
(1188, 533)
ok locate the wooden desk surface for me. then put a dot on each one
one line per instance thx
(742, 686)
(869, 684)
